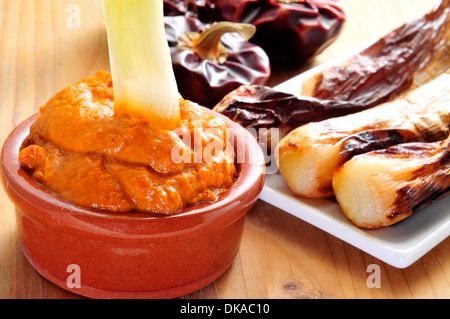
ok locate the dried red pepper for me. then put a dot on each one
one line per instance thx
(209, 61)
(201, 9)
(291, 32)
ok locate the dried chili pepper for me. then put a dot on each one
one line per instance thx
(201, 9)
(291, 32)
(210, 61)
(258, 106)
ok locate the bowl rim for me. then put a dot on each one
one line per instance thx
(39, 203)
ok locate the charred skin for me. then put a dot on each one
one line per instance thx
(371, 140)
(308, 156)
(381, 188)
(405, 58)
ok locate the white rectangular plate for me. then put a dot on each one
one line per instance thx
(399, 245)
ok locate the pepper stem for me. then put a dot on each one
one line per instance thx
(207, 44)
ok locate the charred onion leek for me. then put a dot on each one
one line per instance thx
(381, 188)
(308, 156)
(405, 58)
(141, 66)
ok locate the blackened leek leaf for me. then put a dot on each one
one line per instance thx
(407, 57)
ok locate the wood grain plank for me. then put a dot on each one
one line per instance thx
(341, 263)
(8, 56)
(25, 88)
(231, 285)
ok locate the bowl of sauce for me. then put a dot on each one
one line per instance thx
(108, 207)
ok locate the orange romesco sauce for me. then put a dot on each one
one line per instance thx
(79, 149)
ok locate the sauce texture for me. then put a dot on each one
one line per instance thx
(79, 149)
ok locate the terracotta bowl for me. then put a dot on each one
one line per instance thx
(130, 255)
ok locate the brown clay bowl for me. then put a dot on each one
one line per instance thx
(130, 255)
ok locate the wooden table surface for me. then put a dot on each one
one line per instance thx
(44, 48)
